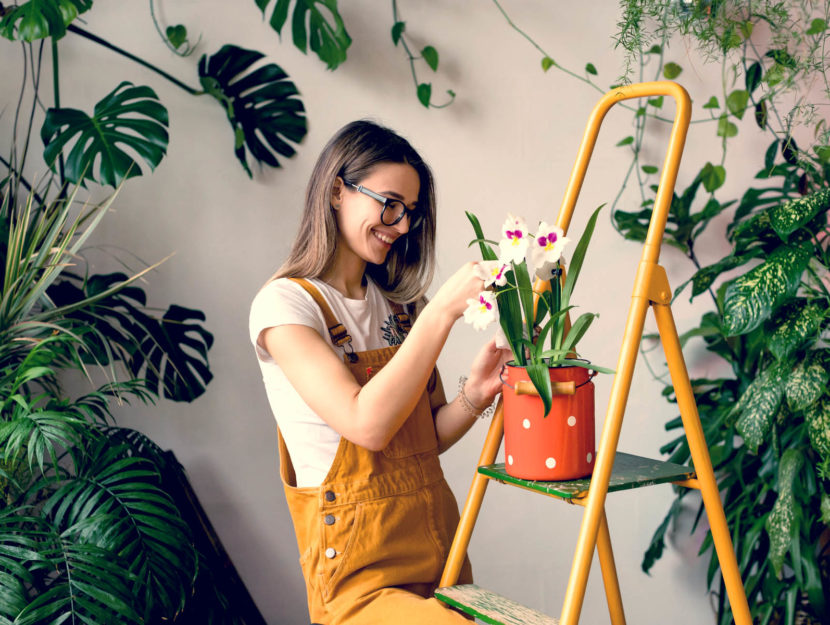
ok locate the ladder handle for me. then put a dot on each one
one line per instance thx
(668, 175)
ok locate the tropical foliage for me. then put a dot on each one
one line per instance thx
(86, 530)
(767, 423)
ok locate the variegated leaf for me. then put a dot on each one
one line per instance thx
(825, 508)
(789, 216)
(751, 298)
(806, 383)
(759, 404)
(796, 323)
(704, 278)
(752, 230)
(780, 520)
(818, 426)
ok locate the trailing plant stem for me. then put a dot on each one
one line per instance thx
(57, 96)
(103, 42)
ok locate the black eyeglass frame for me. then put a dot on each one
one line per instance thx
(415, 217)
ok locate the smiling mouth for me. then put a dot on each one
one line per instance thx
(383, 238)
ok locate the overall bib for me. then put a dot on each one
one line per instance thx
(374, 536)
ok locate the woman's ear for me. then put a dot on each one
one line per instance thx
(336, 192)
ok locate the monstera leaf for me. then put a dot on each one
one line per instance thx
(37, 19)
(310, 27)
(128, 116)
(260, 104)
(170, 352)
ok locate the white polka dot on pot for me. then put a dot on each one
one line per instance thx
(550, 463)
(572, 421)
(526, 424)
(510, 460)
(589, 457)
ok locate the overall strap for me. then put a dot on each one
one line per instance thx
(402, 319)
(337, 331)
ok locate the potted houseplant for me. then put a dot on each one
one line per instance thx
(548, 394)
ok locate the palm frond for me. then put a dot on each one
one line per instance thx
(147, 530)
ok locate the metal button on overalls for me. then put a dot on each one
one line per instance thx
(382, 559)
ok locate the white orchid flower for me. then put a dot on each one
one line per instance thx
(546, 249)
(492, 272)
(481, 312)
(515, 240)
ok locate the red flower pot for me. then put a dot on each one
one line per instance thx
(559, 446)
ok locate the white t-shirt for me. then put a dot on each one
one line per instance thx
(311, 442)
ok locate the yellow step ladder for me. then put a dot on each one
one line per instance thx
(613, 470)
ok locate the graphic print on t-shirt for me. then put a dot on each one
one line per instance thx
(392, 332)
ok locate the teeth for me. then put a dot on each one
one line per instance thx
(383, 238)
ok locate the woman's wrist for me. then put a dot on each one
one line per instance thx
(473, 405)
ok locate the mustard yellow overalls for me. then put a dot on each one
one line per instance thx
(374, 536)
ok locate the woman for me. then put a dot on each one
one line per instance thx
(361, 412)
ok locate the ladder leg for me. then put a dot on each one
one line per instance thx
(609, 573)
(606, 451)
(702, 464)
(458, 549)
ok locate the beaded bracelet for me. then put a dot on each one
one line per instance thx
(469, 407)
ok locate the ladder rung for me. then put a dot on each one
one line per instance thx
(490, 607)
(629, 472)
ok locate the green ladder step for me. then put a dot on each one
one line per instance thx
(629, 472)
(490, 607)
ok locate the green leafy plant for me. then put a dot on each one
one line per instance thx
(533, 317)
(86, 530)
(767, 423)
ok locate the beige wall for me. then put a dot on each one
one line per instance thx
(508, 143)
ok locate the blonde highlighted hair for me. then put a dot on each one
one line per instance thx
(351, 154)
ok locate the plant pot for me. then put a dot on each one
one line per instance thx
(559, 446)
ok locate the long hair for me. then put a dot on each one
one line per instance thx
(351, 154)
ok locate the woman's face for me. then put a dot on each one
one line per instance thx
(360, 229)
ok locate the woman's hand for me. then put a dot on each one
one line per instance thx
(464, 284)
(484, 383)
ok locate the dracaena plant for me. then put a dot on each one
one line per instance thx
(533, 314)
(767, 424)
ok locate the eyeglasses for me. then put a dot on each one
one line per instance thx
(393, 210)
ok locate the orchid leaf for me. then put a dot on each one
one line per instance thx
(315, 24)
(130, 117)
(540, 340)
(539, 375)
(578, 257)
(578, 330)
(262, 104)
(525, 289)
(487, 252)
